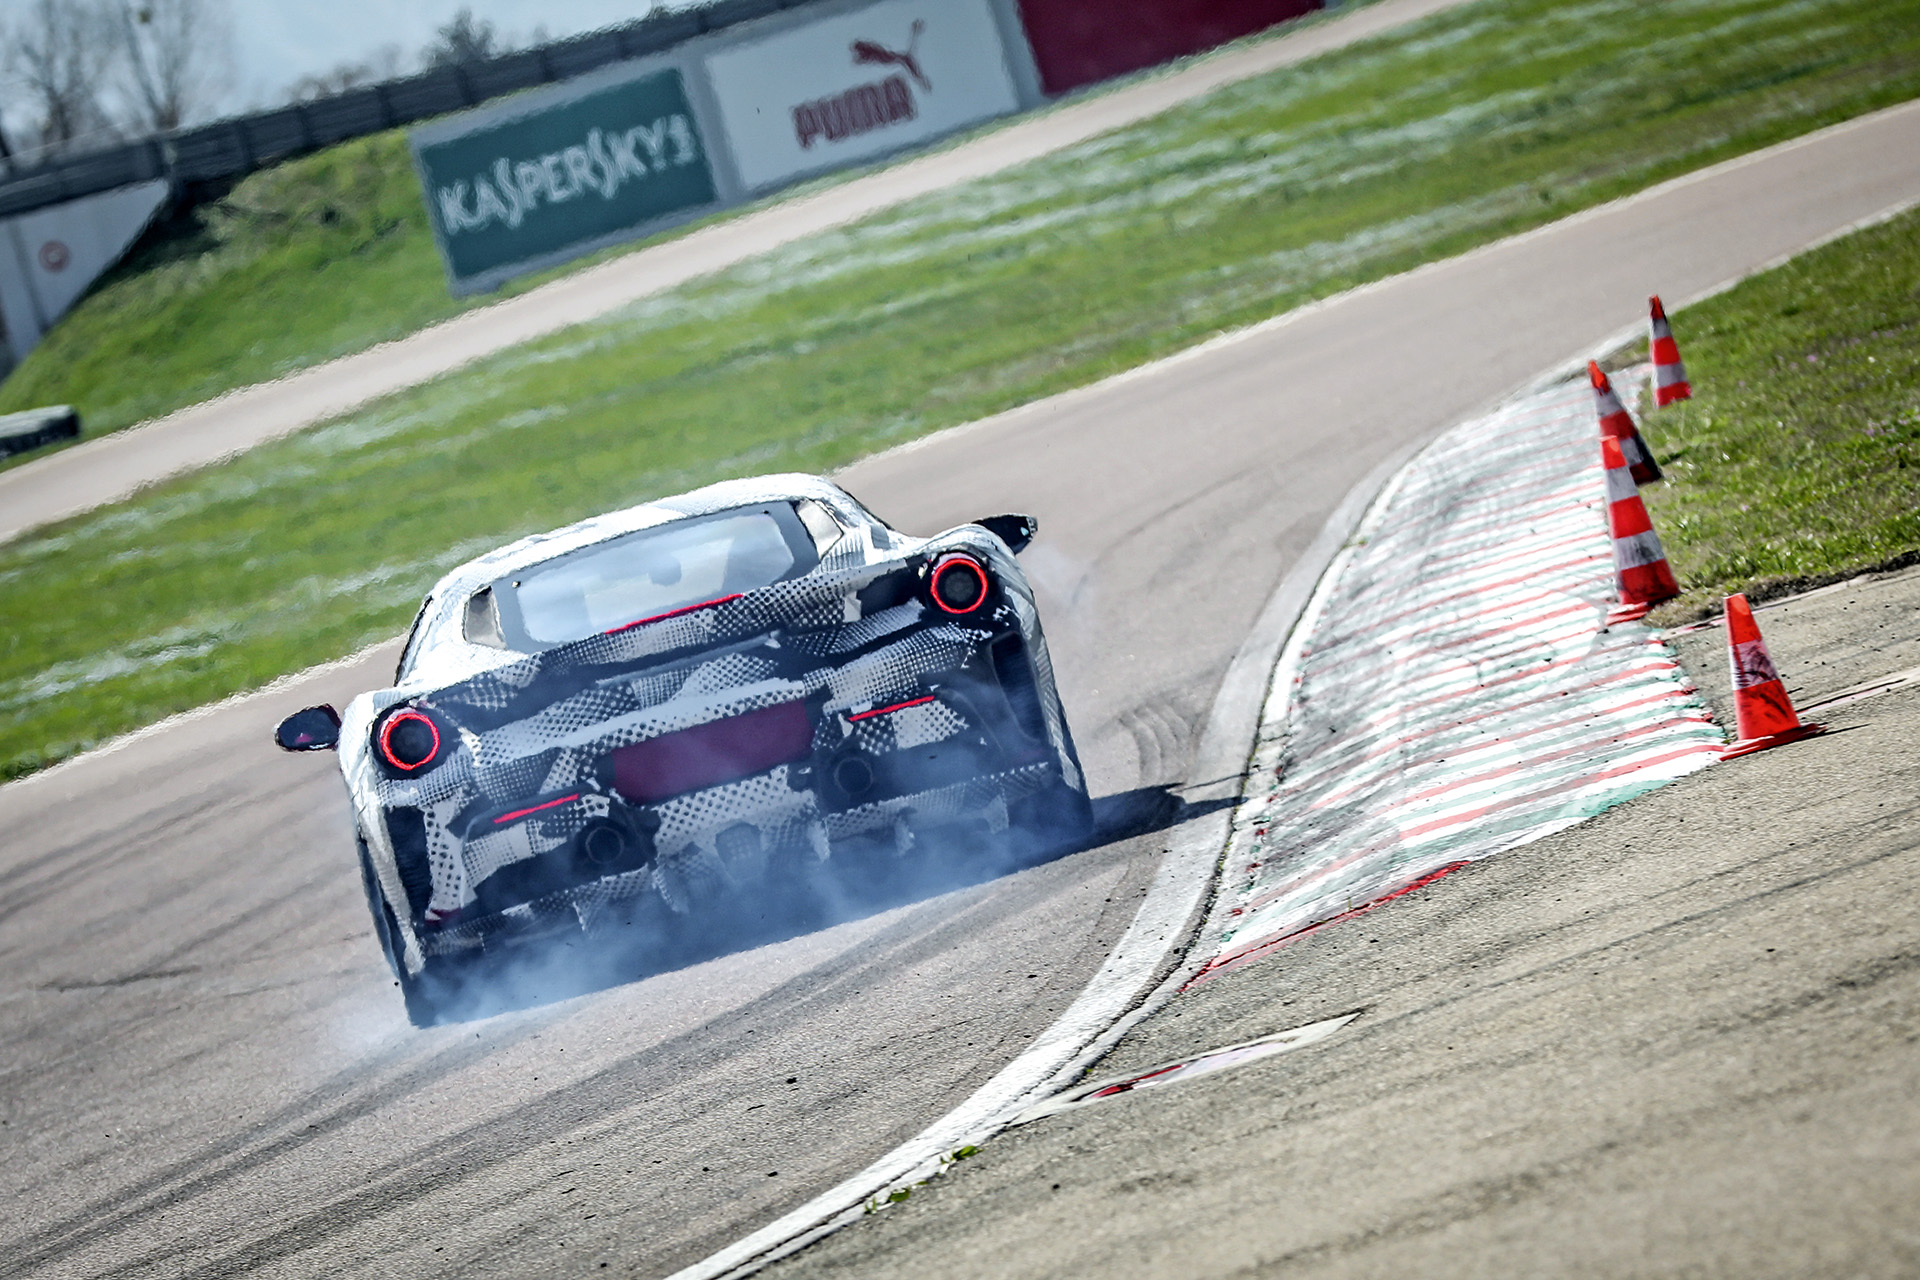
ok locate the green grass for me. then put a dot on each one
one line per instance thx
(314, 259)
(303, 263)
(1475, 124)
(1797, 461)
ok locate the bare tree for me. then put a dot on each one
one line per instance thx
(384, 64)
(177, 56)
(56, 53)
(463, 40)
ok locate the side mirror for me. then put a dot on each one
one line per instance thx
(314, 729)
(1015, 531)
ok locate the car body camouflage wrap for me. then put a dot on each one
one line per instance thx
(689, 755)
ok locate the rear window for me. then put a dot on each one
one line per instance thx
(654, 572)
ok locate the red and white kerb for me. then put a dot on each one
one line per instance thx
(1639, 561)
(1669, 375)
(1616, 422)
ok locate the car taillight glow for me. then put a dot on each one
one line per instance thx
(958, 584)
(409, 741)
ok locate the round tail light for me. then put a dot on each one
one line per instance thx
(409, 740)
(958, 584)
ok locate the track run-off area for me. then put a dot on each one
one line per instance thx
(208, 1072)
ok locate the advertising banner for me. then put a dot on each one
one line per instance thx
(842, 89)
(553, 174)
(50, 257)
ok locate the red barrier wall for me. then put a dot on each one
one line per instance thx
(1077, 42)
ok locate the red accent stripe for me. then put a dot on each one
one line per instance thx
(671, 613)
(521, 813)
(1666, 351)
(1128, 1085)
(1246, 955)
(898, 706)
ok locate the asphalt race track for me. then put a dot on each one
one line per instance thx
(207, 1072)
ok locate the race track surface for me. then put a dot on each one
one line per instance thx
(111, 467)
(206, 1068)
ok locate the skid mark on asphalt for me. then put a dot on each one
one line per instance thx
(413, 1067)
(1471, 697)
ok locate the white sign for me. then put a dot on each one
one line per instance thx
(49, 257)
(839, 90)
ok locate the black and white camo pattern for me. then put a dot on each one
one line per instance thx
(522, 730)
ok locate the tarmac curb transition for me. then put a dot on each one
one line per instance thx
(1181, 931)
(1638, 724)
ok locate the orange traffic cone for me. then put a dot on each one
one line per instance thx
(1762, 711)
(1616, 422)
(1669, 375)
(1640, 565)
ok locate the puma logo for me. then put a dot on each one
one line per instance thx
(869, 51)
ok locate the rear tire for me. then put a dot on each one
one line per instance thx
(1050, 823)
(430, 994)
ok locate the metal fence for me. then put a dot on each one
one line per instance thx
(213, 156)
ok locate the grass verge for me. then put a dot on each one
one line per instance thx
(1478, 123)
(314, 259)
(1797, 462)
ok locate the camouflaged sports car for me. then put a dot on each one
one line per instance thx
(643, 714)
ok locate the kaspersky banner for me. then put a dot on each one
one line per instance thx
(841, 89)
(552, 174)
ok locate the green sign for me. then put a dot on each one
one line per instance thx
(538, 186)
